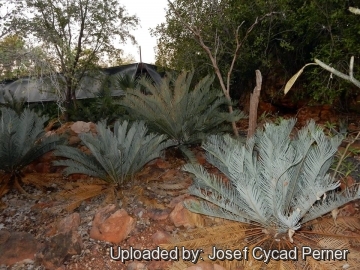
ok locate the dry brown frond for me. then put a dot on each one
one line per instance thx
(323, 235)
(77, 192)
(42, 180)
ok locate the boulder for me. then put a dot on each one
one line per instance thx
(111, 225)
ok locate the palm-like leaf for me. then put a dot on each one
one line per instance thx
(21, 142)
(276, 182)
(173, 108)
(114, 155)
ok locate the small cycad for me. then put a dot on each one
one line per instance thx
(114, 155)
(21, 142)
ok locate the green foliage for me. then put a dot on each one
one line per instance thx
(218, 21)
(76, 34)
(13, 103)
(21, 142)
(186, 115)
(279, 46)
(126, 81)
(114, 155)
(10, 48)
(103, 107)
(274, 181)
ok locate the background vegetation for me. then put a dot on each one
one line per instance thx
(279, 45)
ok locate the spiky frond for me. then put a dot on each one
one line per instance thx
(21, 142)
(274, 181)
(114, 155)
(173, 108)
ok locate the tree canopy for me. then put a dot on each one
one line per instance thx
(76, 34)
(281, 44)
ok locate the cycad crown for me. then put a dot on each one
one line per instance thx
(172, 108)
(21, 142)
(114, 156)
(274, 181)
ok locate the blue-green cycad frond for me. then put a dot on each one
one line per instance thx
(278, 179)
(21, 142)
(114, 155)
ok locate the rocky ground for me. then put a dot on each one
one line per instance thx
(73, 223)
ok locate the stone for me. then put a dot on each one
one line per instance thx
(111, 225)
(73, 140)
(64, 243)
(158, 214)
(80, 127)
(58, 248)
(93, 128)
(69, 224)
(161, 237)
(181, 216)
(177, 199)
(16, 247)
(162, 164)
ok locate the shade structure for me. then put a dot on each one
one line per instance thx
(48, 88)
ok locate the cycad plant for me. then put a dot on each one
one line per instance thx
(186, 115)
(114, 155)
(21, 142)
(279, 184)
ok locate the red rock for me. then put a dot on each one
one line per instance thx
(162, 164)
(74, 140)
(158, 214)
(80, 127)
(178, 199)
(16, 247)
(65, 128)
(58, 248)
(110, 225)
(161, 237)
(181, 216)
(93, 128)
(69, 223)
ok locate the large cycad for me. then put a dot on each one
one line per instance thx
(278, 183)
(173, 108)
(21, 142)
(114, 155)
